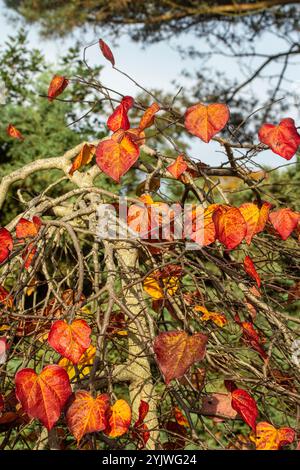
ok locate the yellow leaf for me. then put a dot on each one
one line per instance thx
(84, 365)
(218, 318)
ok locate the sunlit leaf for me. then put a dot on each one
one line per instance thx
(283, 139)
(87, 414)
(70, 340)
(206, 121)
(43, 396)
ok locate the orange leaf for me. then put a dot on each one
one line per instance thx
(119, 119)
(206, 121)
(245, 405)
(148, 117)
(87, 414)
(284, 221)
(251, 271)
(230, 226)
(116, 158)
(6, 244)
(218, 318)
(57, 86)
(119, 419)
(27, 229)
(283, 139)
(199, 225)
(70, 340)
(178, 167)
(106, 51)
(176, 352)
(28, 255)
(269, 438)
(180, 418)
(43, 396)
(13, 132)
(255, 218)
(83, 158)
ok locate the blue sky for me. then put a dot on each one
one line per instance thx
(156, 66)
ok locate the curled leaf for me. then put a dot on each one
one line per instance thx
(251, 270)
(106, 51)
(13, 132)
(283, 139)
(57, 86)
(83, 158)
(245, 405)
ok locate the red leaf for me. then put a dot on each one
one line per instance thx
(284, 221)
(28, 255)
(206, 121)
(5, 298)
(13, 132)
(251, 271)
(119, 119)
(178, 167)
(57, 86)
(70, 340)
(87, 414)
(283, 139)
(230, 226)
(106, 52)
(116, 158)
(6, 244)
(141, 430)
(245, 405)
(43, 396)
(176, 352)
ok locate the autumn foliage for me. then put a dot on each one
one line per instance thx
(152, 340)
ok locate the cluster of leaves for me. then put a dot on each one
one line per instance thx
(46, 253)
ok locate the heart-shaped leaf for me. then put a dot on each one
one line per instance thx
(70, 340)
(87, 414)
(176, 351)
(206, 121)
(283, 139)
(43, 396)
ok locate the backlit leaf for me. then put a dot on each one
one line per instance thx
(206, 121)
(13, 132)
(116, 158)
(83, 158)
(70, 340)
(43, 396)
(218, 318)
(119, 119)
(270, 438)
(87, 414)
(106, 51)
(6, 244)
(230, 226)
(246, 406)
(283, 139)
(27, 229)
(251, 270)
(84, 364)
(178, 167)
(148, 117)
(57, 86)
(255, 218)
(284, 221)
(119, 419)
